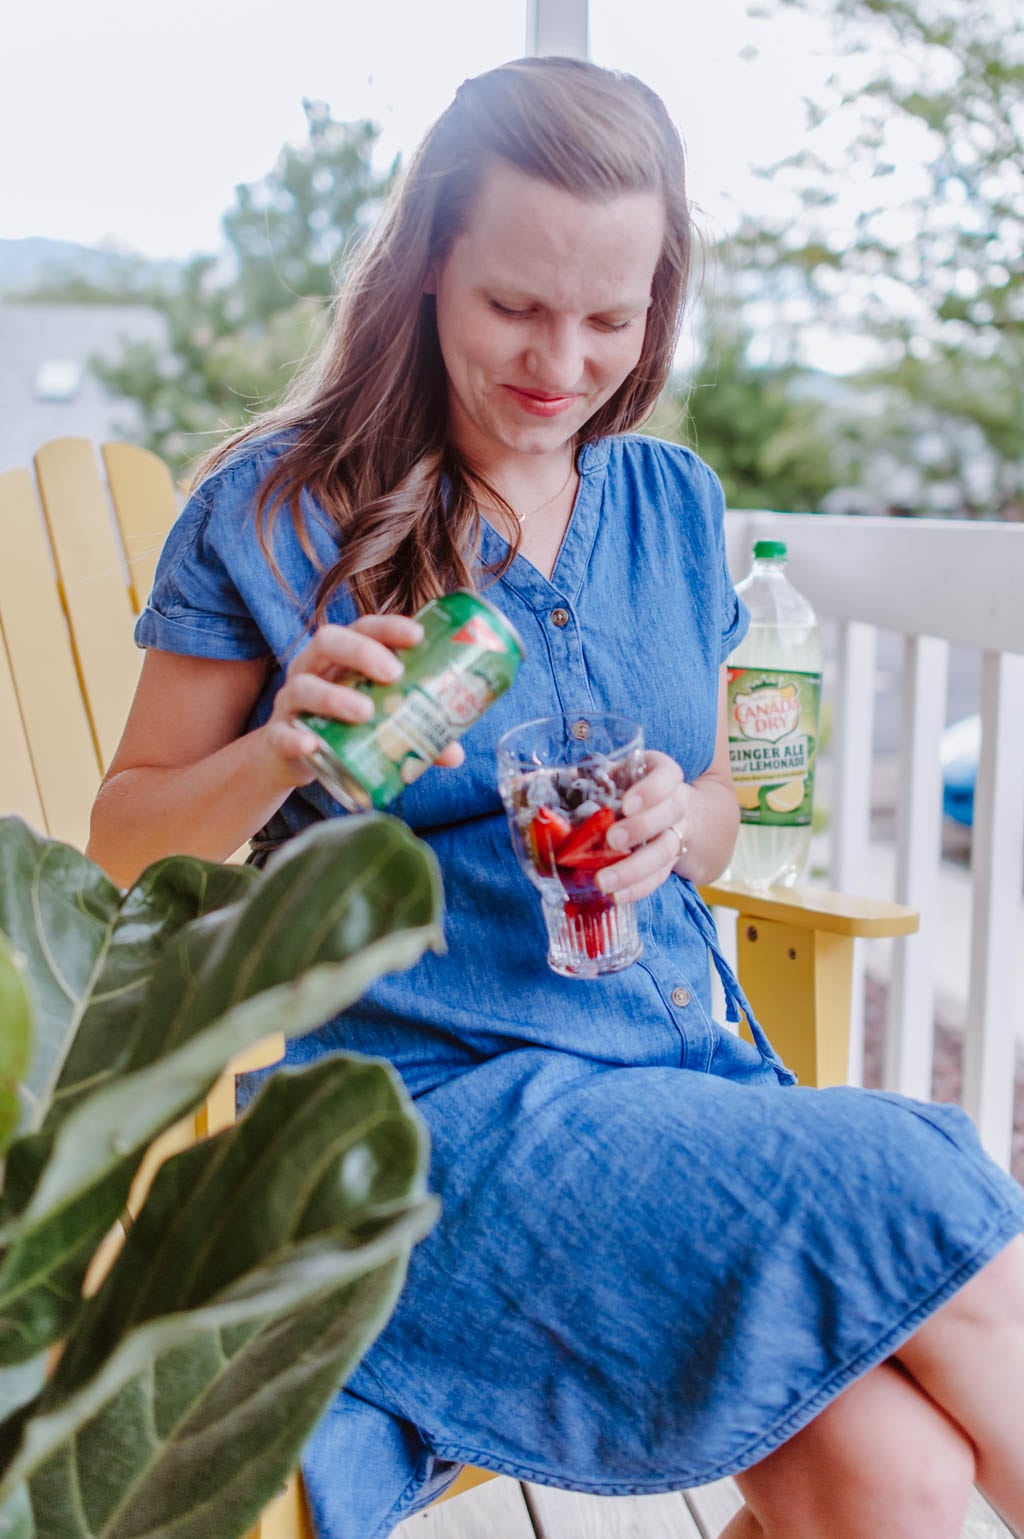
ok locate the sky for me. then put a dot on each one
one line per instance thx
(130, 121)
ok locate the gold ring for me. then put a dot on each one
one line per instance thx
(683, 846)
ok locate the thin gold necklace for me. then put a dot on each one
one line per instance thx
(522, 517)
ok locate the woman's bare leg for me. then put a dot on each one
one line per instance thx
(956, 1414)
(969, 1357)
(882, 1458)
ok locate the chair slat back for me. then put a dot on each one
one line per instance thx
(77, 563)
(53, 731)
(92, 579)
(145, 505)
(19, 792)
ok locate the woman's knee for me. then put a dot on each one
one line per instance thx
(991, 1302)
(881, 1458)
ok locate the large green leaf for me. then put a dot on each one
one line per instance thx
(341, 904)
(16, 1521)
(263, 1264)
(17, 1385)
(89, 949)
(86, 954)
(15, 1039)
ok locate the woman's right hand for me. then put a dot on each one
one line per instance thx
(366, 647)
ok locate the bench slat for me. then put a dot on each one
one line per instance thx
(910, 1034)
(998, 874)
(850, 804)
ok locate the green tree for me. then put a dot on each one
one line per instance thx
(71, 288)
(930, 265)
(760, 427)
(237, 326)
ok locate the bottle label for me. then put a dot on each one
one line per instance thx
(773, 733)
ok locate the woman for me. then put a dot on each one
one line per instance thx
(657, 1264)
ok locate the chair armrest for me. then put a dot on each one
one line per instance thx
(216, 1113)
(794, 948)
(218, 1110)
(814, 908)
(260, 1056)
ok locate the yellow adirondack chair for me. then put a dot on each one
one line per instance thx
(78, 559)
(76, 565)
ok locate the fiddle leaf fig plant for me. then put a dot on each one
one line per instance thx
(263, 1261)
(15, 1040)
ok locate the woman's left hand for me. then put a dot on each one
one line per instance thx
(656, 811)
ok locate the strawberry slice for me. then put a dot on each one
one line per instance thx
(586, 848)
(585, 916)
(591, 860)
(547, 833)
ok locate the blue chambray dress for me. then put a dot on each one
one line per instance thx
(657, 1257)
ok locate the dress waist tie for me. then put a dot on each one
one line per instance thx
(736, 1002)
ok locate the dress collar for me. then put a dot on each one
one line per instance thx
(573, 558)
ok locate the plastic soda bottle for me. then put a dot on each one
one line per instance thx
(774, 699)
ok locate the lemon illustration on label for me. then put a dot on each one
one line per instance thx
(747, 795)
(787, 797)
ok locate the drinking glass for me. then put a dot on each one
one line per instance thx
(562, 780)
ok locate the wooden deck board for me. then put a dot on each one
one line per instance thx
(502, 1509)
(712, 1506)
(496, 1510)
(982, 1522)
(574, 1515)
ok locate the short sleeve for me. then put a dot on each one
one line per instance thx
(196, 608)
(735, 617)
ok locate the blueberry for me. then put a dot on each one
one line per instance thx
(584, 810)
(541, 791)
(605, 784)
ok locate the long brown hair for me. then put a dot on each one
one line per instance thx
(366, 420)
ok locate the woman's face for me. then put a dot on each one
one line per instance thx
(541, 310)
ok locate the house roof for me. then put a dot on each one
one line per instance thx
(35, 339)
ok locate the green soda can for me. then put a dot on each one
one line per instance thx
(469, 656)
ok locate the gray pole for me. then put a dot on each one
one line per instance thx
(557, 27)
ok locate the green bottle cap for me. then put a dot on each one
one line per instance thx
(764, 550)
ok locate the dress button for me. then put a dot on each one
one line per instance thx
(680, 996)
(559, 617)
